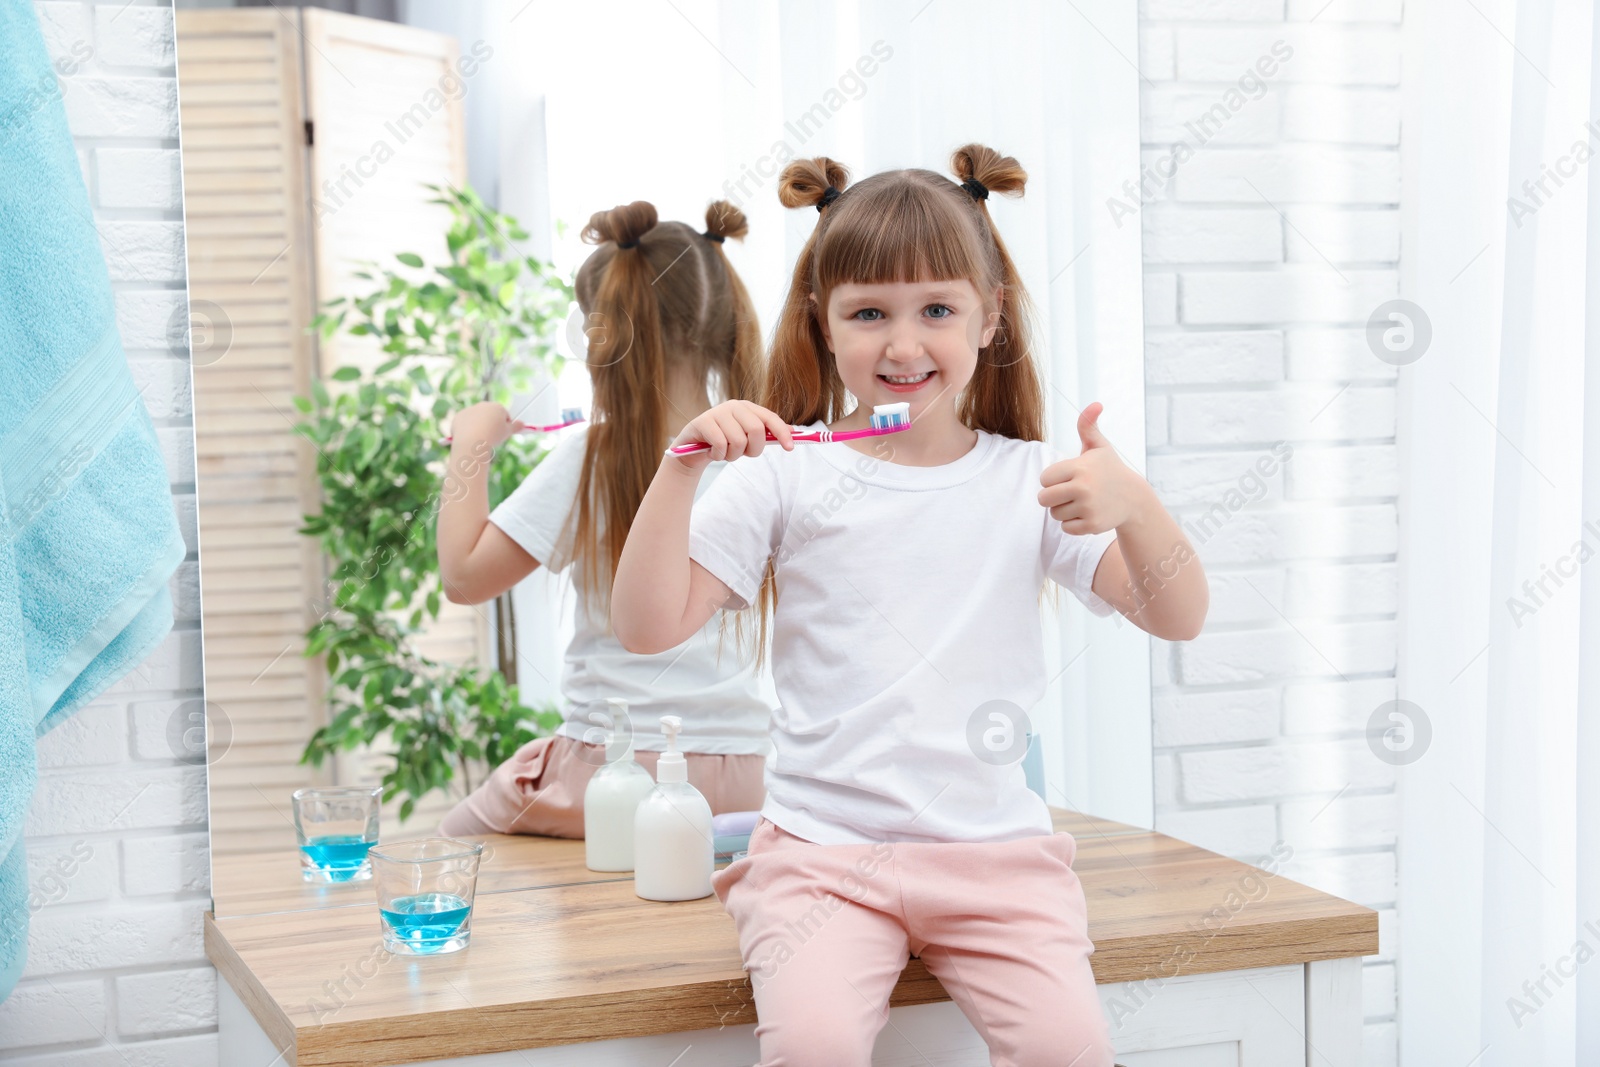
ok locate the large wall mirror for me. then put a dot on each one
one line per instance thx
(327, 151)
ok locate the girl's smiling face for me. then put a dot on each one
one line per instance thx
(916, 342)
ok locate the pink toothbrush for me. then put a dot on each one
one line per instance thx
(886, 418)
(569, 417)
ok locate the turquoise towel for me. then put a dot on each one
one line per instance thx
(88, 536)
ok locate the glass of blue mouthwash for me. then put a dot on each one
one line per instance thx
(425, 889)
(336, 827)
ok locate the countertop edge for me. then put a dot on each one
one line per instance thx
(280, 1030)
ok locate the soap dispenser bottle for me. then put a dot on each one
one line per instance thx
(610, 800)
(673, 843)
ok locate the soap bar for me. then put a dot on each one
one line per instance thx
(735, 822)
(731, 831)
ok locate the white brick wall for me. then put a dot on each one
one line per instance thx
(116, 836)
(1266, 249)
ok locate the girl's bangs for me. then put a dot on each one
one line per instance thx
(904, 232)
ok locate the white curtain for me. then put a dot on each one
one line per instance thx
(1499, 906)
(685, 102)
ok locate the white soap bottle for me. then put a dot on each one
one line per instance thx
(609, 802)
(673, 844)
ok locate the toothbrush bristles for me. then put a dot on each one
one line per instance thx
(571, 414)
(890, 416)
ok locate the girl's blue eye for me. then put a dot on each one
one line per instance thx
(946, 308)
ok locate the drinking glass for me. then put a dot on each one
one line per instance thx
(336, 826)
(425, 890)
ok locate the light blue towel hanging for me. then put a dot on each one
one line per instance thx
(88, 535)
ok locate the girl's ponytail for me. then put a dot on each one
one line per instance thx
(627, 368)
(805, 182)
(1004, 396)
(803, 384)
(996, 173)
(742, 376)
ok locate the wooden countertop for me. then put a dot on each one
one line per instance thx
(259, 883)
(266, 882)
(574, 955)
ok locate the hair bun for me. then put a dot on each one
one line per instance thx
(624, 224)
(725, 220)
(997, 173)
(805, 182)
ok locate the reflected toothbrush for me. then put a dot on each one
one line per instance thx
(886, 418)
(569, 417)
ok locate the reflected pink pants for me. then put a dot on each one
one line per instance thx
(825, 930)
(539, 790)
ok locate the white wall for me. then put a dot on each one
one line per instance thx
(116, 836)
(1266, 250)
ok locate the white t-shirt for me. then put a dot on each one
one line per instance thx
(721, 703)
(909, 598)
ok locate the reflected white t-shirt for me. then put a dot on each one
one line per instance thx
(721, 703)
(909, 609)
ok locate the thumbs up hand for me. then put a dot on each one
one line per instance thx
(1089, 427)
(1095, 490)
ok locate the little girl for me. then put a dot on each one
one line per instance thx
(667, 316)
(903, 576)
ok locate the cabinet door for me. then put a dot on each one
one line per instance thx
(1247, 1018)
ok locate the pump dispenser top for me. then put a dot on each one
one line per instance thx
(671, 766)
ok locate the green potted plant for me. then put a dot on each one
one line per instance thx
(473, 328)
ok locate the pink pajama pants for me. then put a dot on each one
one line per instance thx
(539, 790)
(825, 930)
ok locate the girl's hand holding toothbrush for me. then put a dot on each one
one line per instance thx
(733, 428)
(1095, 490)
(486, 421)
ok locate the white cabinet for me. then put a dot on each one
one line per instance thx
(1262, 1017)
(1253, 1018)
